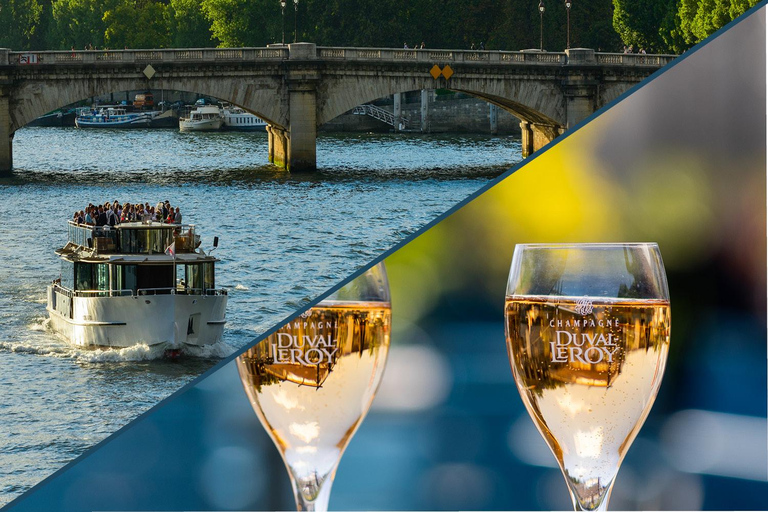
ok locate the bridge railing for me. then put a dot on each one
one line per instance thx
(139, 56)
(633, 59)
(427, 55)
(323, 52)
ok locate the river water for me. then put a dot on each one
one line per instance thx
(284, 238)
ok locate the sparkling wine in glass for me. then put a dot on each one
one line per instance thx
(311, 382)
(587, 329)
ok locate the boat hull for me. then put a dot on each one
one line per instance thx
(206, 125)
(134, 123)
(173, 320)
(57, 119)
(254, 128)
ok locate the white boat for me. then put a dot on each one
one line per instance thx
(202, 119)
(119, 288)
(238, 119)
(111, 117)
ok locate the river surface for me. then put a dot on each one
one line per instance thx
(284, 238)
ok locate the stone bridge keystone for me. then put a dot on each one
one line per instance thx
(298, 87)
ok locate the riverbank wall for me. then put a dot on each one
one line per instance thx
(443, 112)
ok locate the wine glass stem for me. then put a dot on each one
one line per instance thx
(319, 503)
(603, 506)
(600, 506)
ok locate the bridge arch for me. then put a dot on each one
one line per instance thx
(262, 100)
(531, 101)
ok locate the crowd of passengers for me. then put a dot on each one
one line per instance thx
(112, 214)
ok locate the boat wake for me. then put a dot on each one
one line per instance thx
(40, 325)
(218, 350)
(140, 352)
(41, 343)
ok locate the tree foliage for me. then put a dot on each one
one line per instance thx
(79, 23)
(22, 23)
(673, 25)
(189, 27)
(137, 24)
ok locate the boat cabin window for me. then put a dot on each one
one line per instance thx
(198, 276)
(193, 277)
(91, 276)
(143, 277)
(145, 241)
(124, 277)
(208, 276)
(67, 274)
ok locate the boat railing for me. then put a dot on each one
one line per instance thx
(103, 293)
(90, 293)
(155, 291)
(181, 291)
(86, 235)
(137, 293)
(148, 238)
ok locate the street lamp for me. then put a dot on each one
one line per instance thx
(282, 11)
(295, 20)
(541, 25)
(568, 30)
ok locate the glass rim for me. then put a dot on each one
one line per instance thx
(570, 245)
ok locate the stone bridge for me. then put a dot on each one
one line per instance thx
(300, 86)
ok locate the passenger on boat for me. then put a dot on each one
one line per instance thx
(113, 213)
(101, 217)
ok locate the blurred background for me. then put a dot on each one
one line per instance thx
(681, 162)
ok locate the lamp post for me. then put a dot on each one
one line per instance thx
(295, 20)
(282, 11)
(568, 25)
(541, 25)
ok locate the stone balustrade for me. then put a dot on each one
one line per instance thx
(281, 52)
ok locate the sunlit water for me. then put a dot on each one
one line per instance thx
(284, 238)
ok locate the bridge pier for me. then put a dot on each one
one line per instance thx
(302, 100)
(398, 110)
(536, 136)
(526, 138)
(580, 88)
(278, 145)
(425, 110)
(6, 136)
(493, 116)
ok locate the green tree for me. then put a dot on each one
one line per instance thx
(137, 24)
(189, 26)
(639, 22)
(78, 23)
(21, 20)
(697, 20)
(244, 22)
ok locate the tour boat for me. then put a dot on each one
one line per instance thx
(112, 117)
(136, 283)
(238, 119)
(205, 118)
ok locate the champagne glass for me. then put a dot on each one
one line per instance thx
(587, 329)
(311, 382)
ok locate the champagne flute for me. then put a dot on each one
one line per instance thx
(587, 329)
(311, 382)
